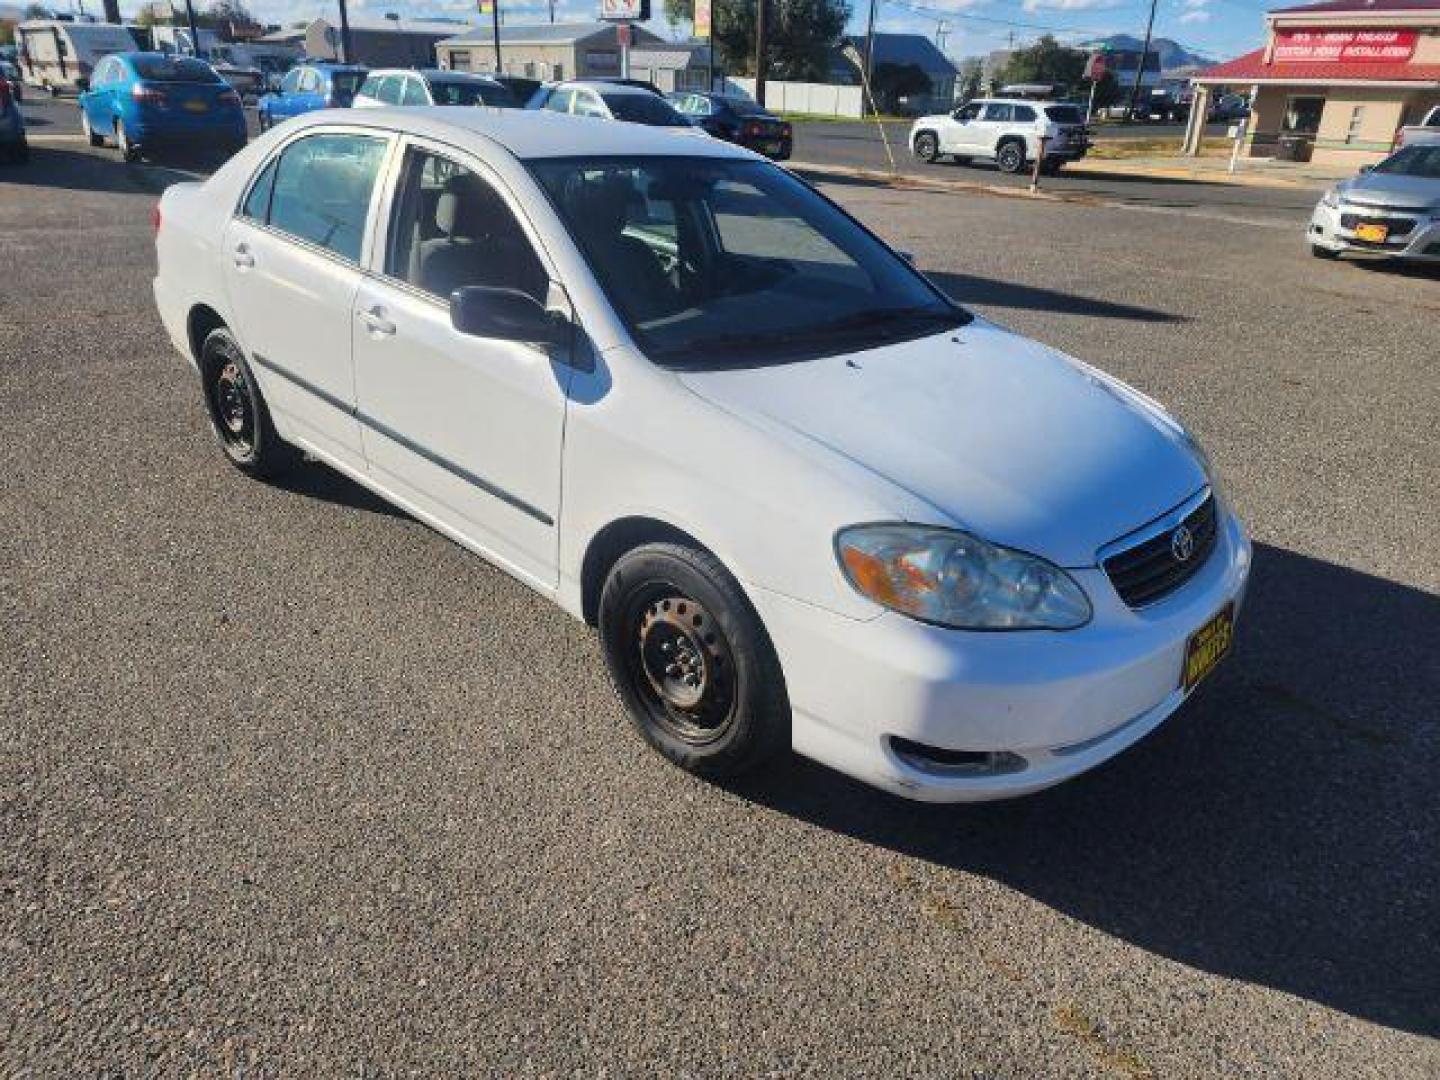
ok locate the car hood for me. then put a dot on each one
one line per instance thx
(1386, 189)
(1005, 437)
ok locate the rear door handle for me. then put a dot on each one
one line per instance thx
(243, 259)
(375, 319)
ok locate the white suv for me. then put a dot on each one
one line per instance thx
(1007, 131)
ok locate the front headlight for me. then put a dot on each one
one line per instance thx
(954, 579)
(1331, 198)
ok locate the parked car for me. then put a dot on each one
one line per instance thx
(387, 87)
(1391, 210)
(540, 98)
(1230, 107)
(616, 101)
(1427, 130)
(309, 86)
(143, 101)
(13, 145)
(10, 74)
(521, 88)
(1007, 132)
(738, 120)
(807, 499)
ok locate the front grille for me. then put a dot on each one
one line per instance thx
(1150, 570)
(1397, 226)
(1380, 208)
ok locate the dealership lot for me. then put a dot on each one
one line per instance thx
(289, 783)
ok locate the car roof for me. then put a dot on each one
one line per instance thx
(601, 86)
(528, 133)
(438, 73)
(1034, 102)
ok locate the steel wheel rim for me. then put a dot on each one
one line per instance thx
(1007, 159)
(230, 400)
(684, 664)
(927, 147)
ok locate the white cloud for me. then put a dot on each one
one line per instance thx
(1071, 5)
(1195, 15)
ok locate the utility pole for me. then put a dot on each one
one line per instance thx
(1140, 69)
(194, 30)
(495, 32)
(344, 32)
(869, 71)
(760, 51)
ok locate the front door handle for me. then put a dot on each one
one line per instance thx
(243, 259)
(375, 319)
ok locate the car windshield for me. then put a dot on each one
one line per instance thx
(1064, 114)
(644, 108)
(1422, 161)
(177, 69)
(466, 92)
(716, 262)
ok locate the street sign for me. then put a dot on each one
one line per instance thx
(702, 19)
(1095, 67)
(623, 35)
(487, 7)
(624, 10)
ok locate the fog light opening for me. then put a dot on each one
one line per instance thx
(938, 761)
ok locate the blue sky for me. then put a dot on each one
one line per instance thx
(1220, 28)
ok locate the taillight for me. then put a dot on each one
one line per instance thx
(752, 129)
(155, 219)
(148, 95)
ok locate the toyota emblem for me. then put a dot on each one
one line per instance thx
(1182, 544)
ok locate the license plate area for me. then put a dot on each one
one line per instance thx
(1207, 647)
(1372, 231)
(196, 106)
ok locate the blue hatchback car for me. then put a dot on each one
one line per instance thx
(142, 101)
(311, 85)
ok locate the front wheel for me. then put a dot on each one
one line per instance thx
(692, 661)
(91, 135)
(927, 147)
(1323, 252)
(1010, 158)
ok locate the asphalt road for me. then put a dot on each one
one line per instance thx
(290, 785)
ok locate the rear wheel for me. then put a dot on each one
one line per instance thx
(128, 150)
(692, 661)
(1010, 157)
(91, 135)
(927, 147)
(238, 414)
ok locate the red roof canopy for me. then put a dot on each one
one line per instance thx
(1251, 68)
(1326, 6)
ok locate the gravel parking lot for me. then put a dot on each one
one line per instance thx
(290, 785)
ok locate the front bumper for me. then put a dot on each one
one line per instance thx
(1046, 705)
(1420, 239)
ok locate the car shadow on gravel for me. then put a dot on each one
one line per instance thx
(1282, 829)
(98, 170)
(968, 289)
(316, 480)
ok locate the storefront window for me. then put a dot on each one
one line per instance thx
(1302, 115)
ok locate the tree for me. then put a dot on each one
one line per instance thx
(7, 31)
(801, 33)
(1047, 61)
(891, 82)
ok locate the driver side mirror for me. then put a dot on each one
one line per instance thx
(506, 314)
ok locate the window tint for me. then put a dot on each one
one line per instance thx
(370, 88)
(344, 83)
(291, 83)
(414, 93)
(1420, 159)
(1003, 113)
(179, 69)
(1024, 114)
(471, 92)
(746, 107)
(452, 229)
(644, 109)
(322, 190)
(559, 101)
(257, 203)
(969, 112)
(1065, 114)
(587, 104)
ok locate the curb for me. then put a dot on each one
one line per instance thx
(1197, 176)
(905, 180)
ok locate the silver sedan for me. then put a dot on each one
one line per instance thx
(1391, 210)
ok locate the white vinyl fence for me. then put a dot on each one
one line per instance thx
(817, 99)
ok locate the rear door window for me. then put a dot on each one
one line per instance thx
(1024, 114)
(414, 93)
(1003, 113)
(322, 190)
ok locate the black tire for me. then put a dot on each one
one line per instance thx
(692, 661)
(1051, 166)
(93, 137)
(1010, 156)
(1323, 252)
(260, 122)
(129, 151)
(927, 147)
(20, 153)
(238, 414)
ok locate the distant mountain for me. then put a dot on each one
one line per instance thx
(1172, 53)
(10, 11)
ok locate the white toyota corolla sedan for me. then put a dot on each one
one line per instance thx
(807, 500)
